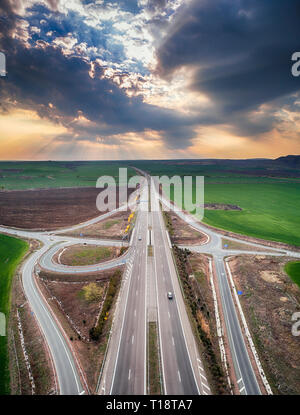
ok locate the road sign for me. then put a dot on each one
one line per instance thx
(240, 292)
(226, 246)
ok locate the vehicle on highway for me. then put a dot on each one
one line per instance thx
(170, 295)
(140, 238)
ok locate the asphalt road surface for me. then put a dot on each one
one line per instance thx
(246, 378)
(125, 369)
(67, 370)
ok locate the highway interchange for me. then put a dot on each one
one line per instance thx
(142, 298)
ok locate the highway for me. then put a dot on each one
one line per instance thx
(130, 372)
(125, 370)
(143, 288)
(244, 372)
(70, 381)
(183, 372)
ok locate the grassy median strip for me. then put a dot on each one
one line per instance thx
(153, 360)
(12, 251)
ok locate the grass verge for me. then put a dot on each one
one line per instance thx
(153, 360)
(293, 270)
(12, 251)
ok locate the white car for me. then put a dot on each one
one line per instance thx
(170, 295)
(140, 238)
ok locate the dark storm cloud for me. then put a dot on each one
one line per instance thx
(7, 19)
(241, 52)
(39, 76)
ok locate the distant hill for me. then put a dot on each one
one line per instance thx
(292, 160)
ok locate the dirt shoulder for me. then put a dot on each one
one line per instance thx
(269, 300)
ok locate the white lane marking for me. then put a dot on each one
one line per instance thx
(132, 340)
(239, 380)
(145, 311)
(129, 374)
(203, 384)
(179, 376)
(159, 322)
(205, 393)
(241, 390)
(173, 341)
(135, 313)
(169, 314)
(136, 293)
(201, 368)
(203, 376)
(117, 357)
(182, 327)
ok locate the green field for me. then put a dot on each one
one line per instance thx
(12, 251)
(267, 192)
(53, 174)
(269, 210)
(293, 270)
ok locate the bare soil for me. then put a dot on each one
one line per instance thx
(77, 317)
(68, 297)
(269, 300)
(221, 206)
(110, 228)
(48, 209)
(181, 233)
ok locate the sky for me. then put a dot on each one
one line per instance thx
(149, 79)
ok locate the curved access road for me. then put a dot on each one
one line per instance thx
(69, 376)
(246, 378)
